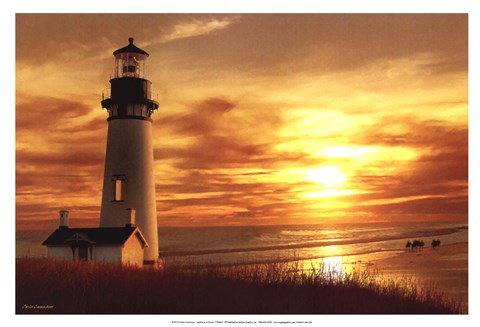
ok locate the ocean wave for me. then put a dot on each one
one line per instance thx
(312, 244)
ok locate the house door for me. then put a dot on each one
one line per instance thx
(83, 252)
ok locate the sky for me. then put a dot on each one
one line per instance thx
(263, 119)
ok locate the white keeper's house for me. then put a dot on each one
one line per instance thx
(122, 245)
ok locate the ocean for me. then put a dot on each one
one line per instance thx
(261, 244)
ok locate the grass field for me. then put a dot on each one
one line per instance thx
(48, 286)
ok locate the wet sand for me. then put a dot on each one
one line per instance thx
(445, 268)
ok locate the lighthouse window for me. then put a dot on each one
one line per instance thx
(119, 188)
(129, 69)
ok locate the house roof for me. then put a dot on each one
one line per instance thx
(102, 235)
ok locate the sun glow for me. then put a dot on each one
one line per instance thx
(347, 151)
(333, 263)
(328, 193)
(329, 176)
(330, 180)
(336, 265)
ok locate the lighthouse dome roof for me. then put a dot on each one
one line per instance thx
(130, 48)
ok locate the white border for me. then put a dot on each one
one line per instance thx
(7, 19)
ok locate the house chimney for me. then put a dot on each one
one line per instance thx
(130, 222)
(63, 219)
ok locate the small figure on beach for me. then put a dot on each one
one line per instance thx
(409, 244)
(416, 244)
(435, 243)
(421, 244)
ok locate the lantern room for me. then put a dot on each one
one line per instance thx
(130, 61)
(130, 92)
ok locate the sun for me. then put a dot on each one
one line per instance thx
(330, 182)
(329, 176)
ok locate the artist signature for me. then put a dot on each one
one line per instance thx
(37, 307)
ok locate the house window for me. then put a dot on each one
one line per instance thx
(118, 188)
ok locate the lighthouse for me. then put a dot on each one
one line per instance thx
(128, 181)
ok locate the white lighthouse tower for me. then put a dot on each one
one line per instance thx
(128, 180)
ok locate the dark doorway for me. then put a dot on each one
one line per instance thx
(83, 252)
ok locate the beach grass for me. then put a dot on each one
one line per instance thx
(55, 286)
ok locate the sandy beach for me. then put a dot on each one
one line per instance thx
(445, 268)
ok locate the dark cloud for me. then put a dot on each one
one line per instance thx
(203, 117)
(216, 152)
(45, 113)
(216, 144)
(47, 182)
(38, 210)
(38, 216)
(41, 177)
(41, 193)
(414, 133)
(60, 162)
(59, 155)
(55, 124)
(439, 173)
(403, 185)
(213, 106)
(253, 201)
(428, 206)
(53, 135)
(443, 149)
(222, 151)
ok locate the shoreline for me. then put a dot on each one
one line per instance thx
(444, 268)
